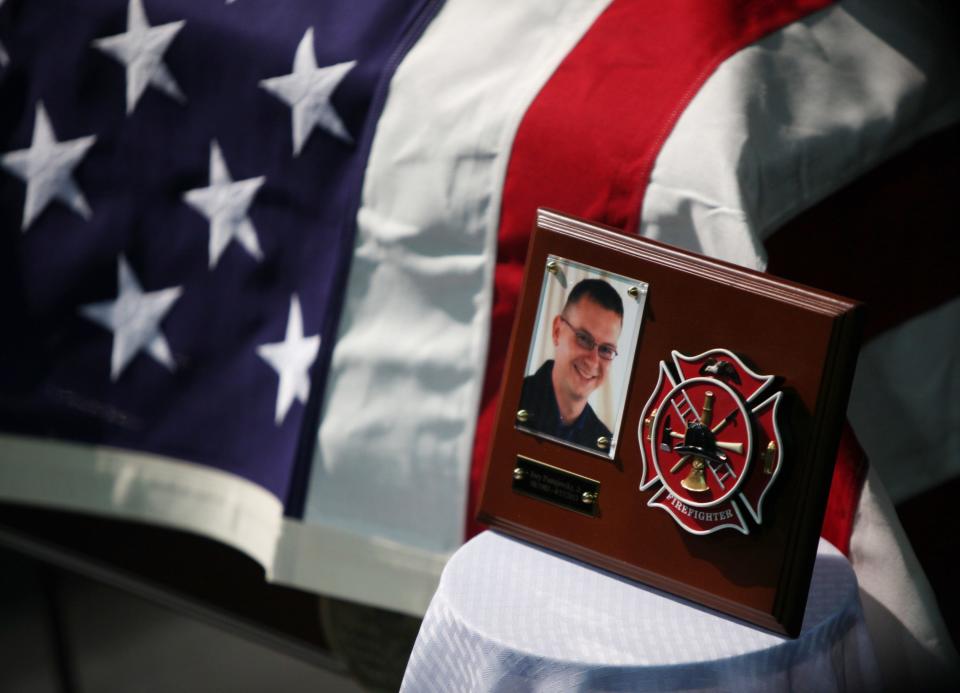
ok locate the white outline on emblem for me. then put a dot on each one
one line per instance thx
(776, 399)
(655, 503)
(750, 415)
(767, 379)
(664, 371)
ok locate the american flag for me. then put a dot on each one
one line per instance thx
(259, 260)
(180, 184)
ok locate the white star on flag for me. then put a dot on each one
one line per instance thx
(224, 203)
(47, 168)
(141, 50)
(291, 359)
(134, 318)
(307, 90)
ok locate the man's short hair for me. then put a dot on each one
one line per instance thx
(600, 292)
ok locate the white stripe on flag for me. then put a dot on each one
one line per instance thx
(793, 118)
(910, 377)
(138, 486)
(396, 437)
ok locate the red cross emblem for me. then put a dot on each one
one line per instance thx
(710, 442)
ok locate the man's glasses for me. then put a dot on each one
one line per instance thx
(586, 341)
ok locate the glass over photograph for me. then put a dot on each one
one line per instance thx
(581, 354)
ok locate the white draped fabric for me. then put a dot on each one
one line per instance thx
(512, 617)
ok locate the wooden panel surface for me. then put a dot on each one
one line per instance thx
(805, 337)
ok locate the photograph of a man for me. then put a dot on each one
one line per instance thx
(585, 334)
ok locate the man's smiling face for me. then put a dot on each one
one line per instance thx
(578, 371)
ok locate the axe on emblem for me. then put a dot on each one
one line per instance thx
(665, 443)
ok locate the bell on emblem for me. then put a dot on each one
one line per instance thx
(696, 480)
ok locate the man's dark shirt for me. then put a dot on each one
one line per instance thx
(540, 403)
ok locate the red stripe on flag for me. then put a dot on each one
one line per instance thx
(589, 140)
(848, 477)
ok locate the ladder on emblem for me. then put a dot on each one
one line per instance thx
(687, 412)
(726, 471)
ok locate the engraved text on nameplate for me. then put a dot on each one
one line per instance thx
(553, 485)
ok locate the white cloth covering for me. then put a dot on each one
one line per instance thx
(512, 617)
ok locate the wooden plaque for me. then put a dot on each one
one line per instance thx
(704, 462)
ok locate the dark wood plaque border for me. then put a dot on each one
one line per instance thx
(808, 338)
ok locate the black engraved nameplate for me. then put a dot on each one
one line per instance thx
(553, 485)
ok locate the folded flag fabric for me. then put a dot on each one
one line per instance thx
(179, 187)
(259, 262)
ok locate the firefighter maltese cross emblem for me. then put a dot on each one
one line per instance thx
(709, 443)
